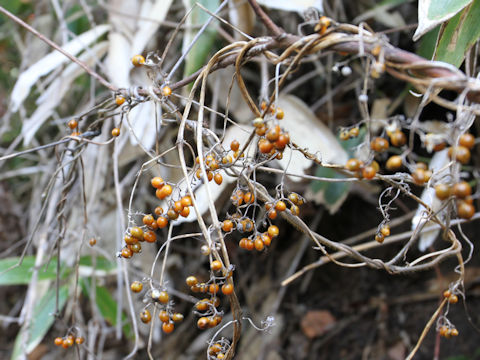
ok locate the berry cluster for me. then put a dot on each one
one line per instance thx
(161, 300)
(68, 341)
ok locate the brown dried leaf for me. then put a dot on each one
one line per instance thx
(316, 323)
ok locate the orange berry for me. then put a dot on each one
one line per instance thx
(136, 248)
(462, 189)
(126, 253)
(218, 178)
(462, 154)
(227, 225)
(163, 297)
(168, 327)
(385, 230)
(454, 332)
(467, 140)
(465, 210)
(398, 138)
(442, 191)
(447, 294)
(369, 172)
(419, 176)
(453, 299)
(145, 316)
(163, 316)
(227, 289)
(136, 286)
(136, 232)
(149, 236)
(295, 210)
(379, 238)
(72, 124)
(273, 231)
(115, 132)
(282, 142)
(157, 182)
(248, 198)
(353, 164)
(280, 114)
(172, 214)
(191, 281)
(215, 265)
(79, 340)
(58, 341)
(69, 341)
(213, 289)
(130, 240)
(203, 323)
(249, 245)
(280, 206)
(92, 241)
(162, 222)
(138, 60)
(258, 243)
(267, 240)
(186, 201)
(177, 317)
(379, 144)
(273, 133)
(119, 100)
(163, 192)
(234, 145)
(272, 214)
(265, 146)
(394, 163)
(148, 220)
(185, 212)
(166, 91)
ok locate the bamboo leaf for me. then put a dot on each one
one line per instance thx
(461, 33)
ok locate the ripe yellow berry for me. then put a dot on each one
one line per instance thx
(138, 60)
(119, 100)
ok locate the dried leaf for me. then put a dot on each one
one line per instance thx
(288, 5)
(50, 62)
(309, 132)
(316, 323)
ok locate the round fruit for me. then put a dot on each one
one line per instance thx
(119, 100)
(92, 241)
(379, 144)
(234, 145)
(58, 341)
(215, 265)
(265, 146)
(138, 60)
(157, 182)
(186, 201)
(465, 210)
(115, 132)
(369, 172)
(79, 340)
(136, 232)
(462, 154)
(379, 238)
(162, 222)
(227, 289)
(168, 327)
(419, 176)
(177, 317)
(467, 140)
(227, 225)
(203, 323)
(442, 191)
(136, 286)
(385, 230)
(149, 236)
(163, 297)
(394, 163)
(163, 316)
(145, 316)
(148, 220)
(72, 124)
(398, 138)
(280, 206)
(462, 189)
(166, 91)
(218, 178)
(353, 164)
(191, 281)
(126, 253)
(273, 231)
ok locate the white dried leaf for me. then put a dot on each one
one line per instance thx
(142, 120)
(309, 132)
(118, 63)
(289, 5)
(437, 166)
(53, 95)
(50, 62)
(155, 12)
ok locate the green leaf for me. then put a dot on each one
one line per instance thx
(461, 32)
(107, 306)
(428, 43)
(434, 12)
(197, 56)
(42, 320)
(21, 275)
(101, 263)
